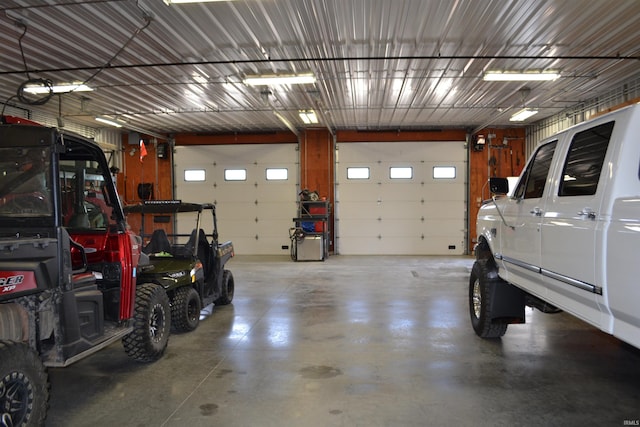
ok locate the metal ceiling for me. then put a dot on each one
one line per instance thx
(380, 64)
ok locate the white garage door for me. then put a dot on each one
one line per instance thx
(254, 211)
(418, 211)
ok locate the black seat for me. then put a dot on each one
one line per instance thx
(159, 242)
(203, 250)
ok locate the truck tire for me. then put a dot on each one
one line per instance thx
(227, 289)
(481, 287)
(151, 324)
(185, 309)
(24, 386)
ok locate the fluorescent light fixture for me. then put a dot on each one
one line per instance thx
(280, 79)
(170, 2)
(308, 117)
(509, 76)
(109, 122)
(523, 115)
(61, 88)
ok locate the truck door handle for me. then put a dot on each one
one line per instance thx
(536, 212)
(587, 212)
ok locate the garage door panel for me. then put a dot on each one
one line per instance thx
(358, 227)
(404, 193)
(236, 200)
(421, 215)
(239, 228)
(359, 210)
(272, 210)
(275, 193)
(275, 227)
(402, 246)
(400, 227)
(445, 209)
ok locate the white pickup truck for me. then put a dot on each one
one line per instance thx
(568, 238)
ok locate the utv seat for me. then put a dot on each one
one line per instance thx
(81, 276)
(203, 250)
(159, 242)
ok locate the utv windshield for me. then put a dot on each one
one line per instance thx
(25, 190)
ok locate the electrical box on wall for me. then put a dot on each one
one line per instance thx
(134, 138)
(163, 151)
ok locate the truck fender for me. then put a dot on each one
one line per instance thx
(507, 300)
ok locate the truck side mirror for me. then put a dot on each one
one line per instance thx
(498, 185)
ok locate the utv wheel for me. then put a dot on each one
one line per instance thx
(151, 324)
(481, 287)
(185, 309)
(24, 386)
(227, 289)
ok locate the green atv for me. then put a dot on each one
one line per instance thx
(192, 273)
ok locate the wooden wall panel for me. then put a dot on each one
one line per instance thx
(495, 159)
(157, 172)
(317, 162)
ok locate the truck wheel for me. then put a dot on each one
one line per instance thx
(24, 386)
(227, 289)
(480, 289)
(151, 324)
(185, 309)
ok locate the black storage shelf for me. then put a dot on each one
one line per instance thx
(317, 214)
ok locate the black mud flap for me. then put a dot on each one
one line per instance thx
(508, 303)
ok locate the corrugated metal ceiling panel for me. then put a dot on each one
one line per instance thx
(380, 64)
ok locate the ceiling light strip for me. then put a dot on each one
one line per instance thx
(170, 2)
(275, 79)
(61, 88)
(109, 122)
(509, 76)
(523, 115)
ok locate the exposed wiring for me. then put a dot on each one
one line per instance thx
(48, 84)
(24, 60)
(148, 18)
(35, 82)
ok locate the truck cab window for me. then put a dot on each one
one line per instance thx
(584, 162)
(534, 178)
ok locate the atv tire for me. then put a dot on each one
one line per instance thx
(227, 289)
(151, 324)
(185, 309)
(24, 386)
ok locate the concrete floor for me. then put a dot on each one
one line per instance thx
(357, 341)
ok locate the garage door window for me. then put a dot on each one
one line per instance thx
(277, 174)
(444, 172)
(235, 174)
(400, 172)
(194, 175)
(358, 173)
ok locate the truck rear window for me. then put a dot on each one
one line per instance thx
(584, 162)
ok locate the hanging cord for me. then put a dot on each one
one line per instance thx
(148, 18)
(24, 60)
(45, 83)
